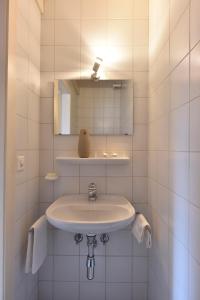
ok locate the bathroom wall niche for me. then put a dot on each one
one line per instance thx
(103, 107)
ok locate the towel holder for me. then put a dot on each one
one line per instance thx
(147, 229)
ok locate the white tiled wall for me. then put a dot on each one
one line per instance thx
(174, 149)
(73, 33)
(27, 138)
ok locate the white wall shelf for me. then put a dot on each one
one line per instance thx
(94, 160)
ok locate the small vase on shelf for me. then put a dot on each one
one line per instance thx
(84, 144)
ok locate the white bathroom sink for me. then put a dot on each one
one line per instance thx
(76, 214)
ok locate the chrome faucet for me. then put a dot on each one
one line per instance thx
(92, 192)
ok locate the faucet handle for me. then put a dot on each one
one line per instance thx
(92, 191)
(92, 186)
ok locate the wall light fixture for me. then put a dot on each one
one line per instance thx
(95, 68)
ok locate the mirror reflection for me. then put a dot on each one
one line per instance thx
(103, 107)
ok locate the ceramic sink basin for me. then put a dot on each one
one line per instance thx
(76, 214)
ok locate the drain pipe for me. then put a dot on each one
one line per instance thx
(91, 243)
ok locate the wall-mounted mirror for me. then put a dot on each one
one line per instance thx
(104, 107)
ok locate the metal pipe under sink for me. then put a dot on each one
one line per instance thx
(91, 243)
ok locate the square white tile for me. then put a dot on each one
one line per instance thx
(93, 32)
(194, 240)
(194, 276)
(116, 29)
(179, 217)
(140, 291)
(178, 260)
(46, 110)
(118, 269)
(66, 268)
(47, 59)
(45, 291)
(119, 291)
(194, 124)
(120, 243)
(179, 45)
(120, 186)
(118, 9)
(139, 190)
(65, 9)
(180, 84)
(194, 178)
(93, 9)
(46, 270)
(179, 173)
(47, 32)
(67, 32)
(64, 243)
(66, 185)
(140, 32)
(66, 290)
(179, 129)
(140, 269)
(67, 58)
(90, 291)
(194, 22)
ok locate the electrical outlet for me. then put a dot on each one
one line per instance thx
(20, 163)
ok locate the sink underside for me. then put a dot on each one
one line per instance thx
(75, 213)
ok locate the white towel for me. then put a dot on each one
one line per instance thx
(37, 245)
(141, 229)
